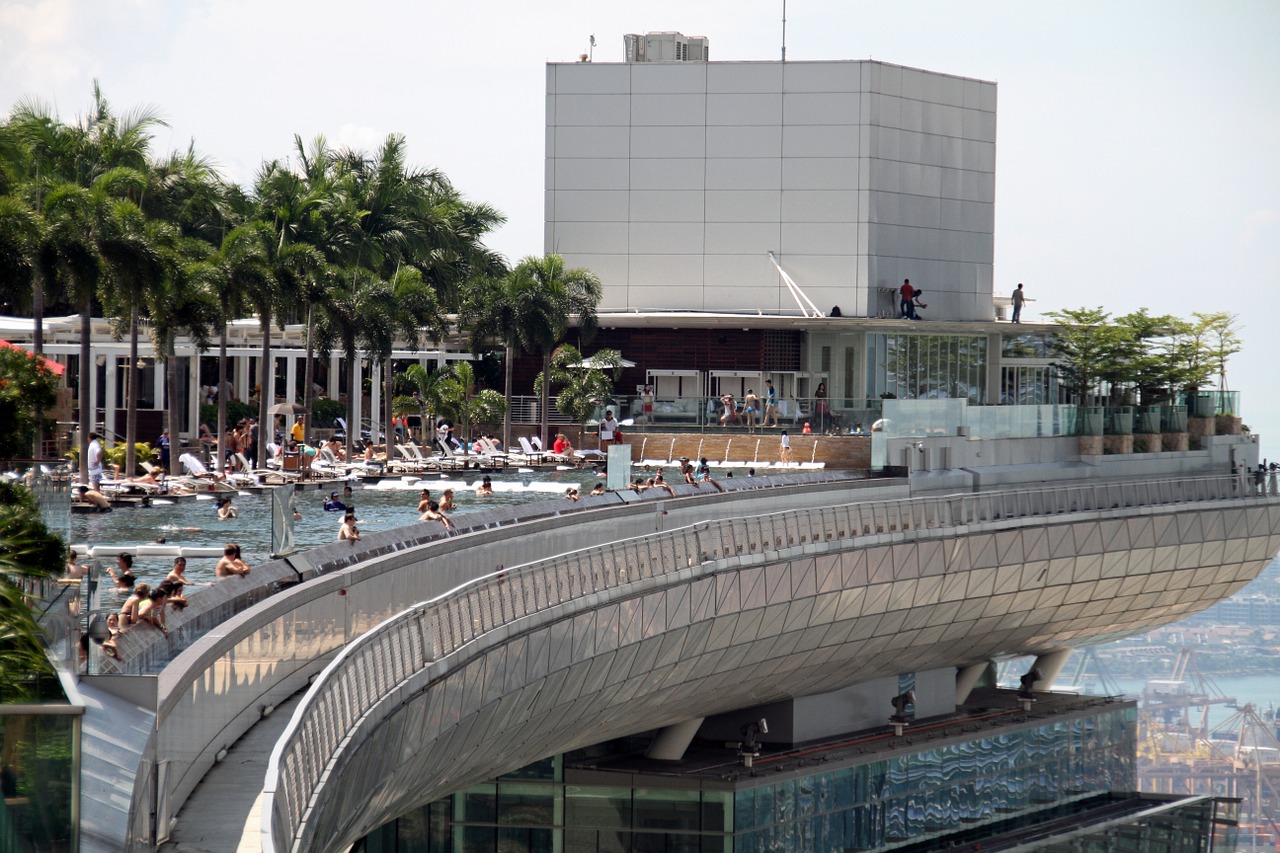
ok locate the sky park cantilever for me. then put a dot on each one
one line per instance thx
(799, 662)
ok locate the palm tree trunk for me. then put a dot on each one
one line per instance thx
(353, 388)
(506, 392)
(86, 399)
(131, 403)
(266, 395)
(388, 428)
(219, 448)
(37, 345)
(172, 421)
(309, 377)
(545, 402)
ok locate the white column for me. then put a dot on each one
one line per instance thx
(375, 398)
(194, 396)
(157, 385)
(334, 368)
(109, 399)
(357, 399)
(243, 384)
(91, 399)
(290, 378)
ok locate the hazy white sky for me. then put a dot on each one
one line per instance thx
(1138, 158)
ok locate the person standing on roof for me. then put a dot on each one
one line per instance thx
(1018, 299)
(907, 308)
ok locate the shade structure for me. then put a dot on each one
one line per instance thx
(286, 409)
(590, 363)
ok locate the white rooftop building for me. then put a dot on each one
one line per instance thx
(673, 180)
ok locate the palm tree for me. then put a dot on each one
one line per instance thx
(583, 389)
(455, 394)
(541, 298)
(28, 549)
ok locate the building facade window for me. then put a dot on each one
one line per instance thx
(927, 367)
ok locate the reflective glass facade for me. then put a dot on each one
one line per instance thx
(918, 367)
(39, 777)
(893, 800)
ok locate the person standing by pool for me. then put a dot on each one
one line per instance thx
(95, 462)
(784, 452)
(348, 532)
(231, 565)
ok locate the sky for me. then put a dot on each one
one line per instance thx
(1138, 143)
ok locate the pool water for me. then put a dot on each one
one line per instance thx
(379, 506)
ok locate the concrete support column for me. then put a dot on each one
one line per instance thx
(376, 371)
(335, 365)
(1050, 665)
(671, 742)
(357, 399)
(194, 397)
(291, 378)
(90, 398)
(967, 678)
(158, 389)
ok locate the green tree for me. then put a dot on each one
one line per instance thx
(582, 389)
(454, 394)
(1089, 349)
(540, 299)
(28, 550)
(26, 387)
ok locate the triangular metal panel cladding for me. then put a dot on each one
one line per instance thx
(851, 603)
(623, 660)
(752, 587)
(927, 590)
(1035, 543)
(608, 627)
(1025, 600)
(944, 613)
(646, 654)
(877, 598)
(722, 630)
(1051, 596)
(1236, 523)
(1164, 557)
(804, 577)
(748, 627)
(932, 554)
(777, 582)
(735, 657)
(1008, 578)
(672, 647)
(1141, 532)
(1247, 570)
(701, 599)
(917, 617)
(576, 680)
(1235, 550)
(906, 560)
(654, 613)
(707, 664)
(955, 587)
(784, 646)
(982, 550)
(811, 638)
(677, 606)
(824, 608)
(1088, 539)
(1087, 567)
(1189, 556)
(1115, 534)
(1115, 564)
(1122, 604)
(630, 621)
(981, 582)
(1034, 574)
(880, 564)
(516, 671)
(1133, 585)
(472, 677)
(1105, 590)
(549, 694)
(1165, 529)
(698, 637)
(1009, 546)
(999, 605)
(958, 558)
(1189, 527)
(1213, 552)
(827, 568)
(1212, 524)
(864, 628)
(971, 609)
(798, 615)
(902, 595)
(1145, 601)
(1061, 540)
(853, 566)
(957, 633)
(772, 620)
(1082, 591)
(1154, 581)
(627, 691)
(584, 635)
(728, 597)
(598, 673)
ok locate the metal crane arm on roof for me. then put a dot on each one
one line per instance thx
(802, 300)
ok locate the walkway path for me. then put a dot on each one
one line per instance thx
(224, 812)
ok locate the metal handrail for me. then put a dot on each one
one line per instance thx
(408, 642)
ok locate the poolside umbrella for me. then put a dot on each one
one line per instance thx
(286, 409)
(590, 363)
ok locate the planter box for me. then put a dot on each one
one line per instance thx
(1199, 428)
(1117, 444)
(1173, 441)
(1226, 425)
(1090, 445)
(1149, 442)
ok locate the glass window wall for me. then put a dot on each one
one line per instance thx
(920, 367)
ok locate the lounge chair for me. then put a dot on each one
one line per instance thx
(531, 453)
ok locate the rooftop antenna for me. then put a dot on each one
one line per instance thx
(591, 52)
(784, 30)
